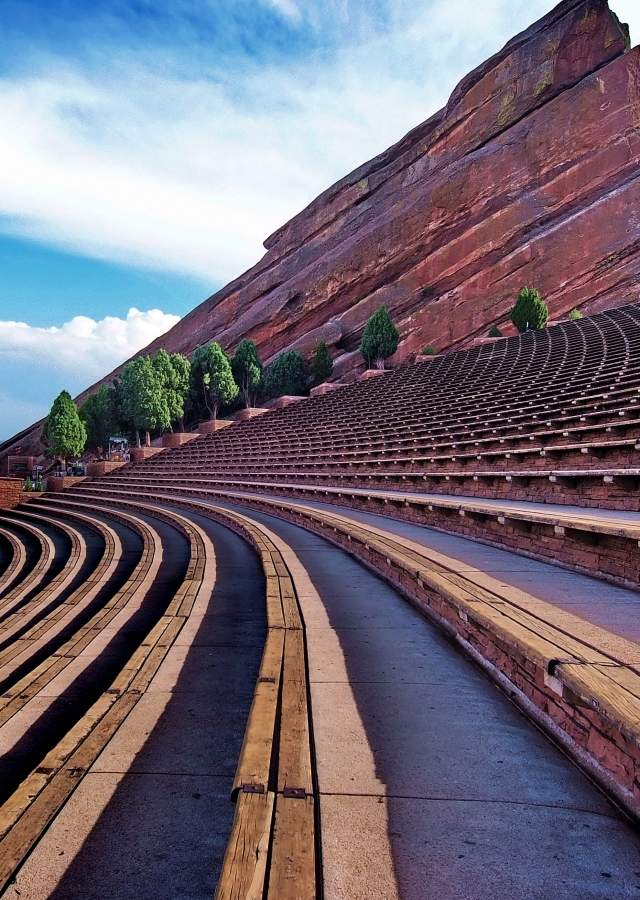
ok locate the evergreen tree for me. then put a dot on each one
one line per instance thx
(100, 416)
(64, 430)
(286, 375)
(530, 311)
(322, 364)
(494, 331)
(212, 378)
(380, 338)
(144, 401)
(173, 370)
(247, 371)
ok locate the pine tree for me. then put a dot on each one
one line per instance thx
(212, 378)
(380, 338)
(322, 364)
(145, 404)
(247, 371)
(64, 430)
(530, 311)
(286, 375)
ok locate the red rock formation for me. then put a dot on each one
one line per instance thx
(529, 175)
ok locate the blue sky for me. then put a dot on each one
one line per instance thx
(147, 149)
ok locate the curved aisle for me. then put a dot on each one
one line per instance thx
(432, 783)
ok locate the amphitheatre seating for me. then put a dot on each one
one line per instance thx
(601, 541)
(39, 571)
(550, 417)
(566, 397)
(560, 662)
(529, 443)
(153, 568)
(32, 798)
(16, 560)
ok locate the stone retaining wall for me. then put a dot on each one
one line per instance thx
(10, 492)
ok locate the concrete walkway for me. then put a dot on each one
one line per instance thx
(615, 608)
(432, 784)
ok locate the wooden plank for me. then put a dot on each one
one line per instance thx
(254, 763)
(290, 609)
(41, 809)
(292, 874)
(245, 860)
(275, 616)
(611, 699)
(294, 762)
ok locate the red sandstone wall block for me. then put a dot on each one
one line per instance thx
(177, 438)
(139, 454)
(102, 467)
(57, 483)
(210, 426)
(251, 412)
(10, 492)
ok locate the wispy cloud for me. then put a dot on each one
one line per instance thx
(189, 171)
(287, 8)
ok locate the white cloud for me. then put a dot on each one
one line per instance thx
(628, 11)
(287, 8)
(189, 172)
(84, 347)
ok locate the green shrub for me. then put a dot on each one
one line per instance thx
(285, 375)
(530, 312)
(380, 338)
(494, 331)
(247, 371)
(429, 350)
(322, 365)
(575, 314)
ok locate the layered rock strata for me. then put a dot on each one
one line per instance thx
(528, 176)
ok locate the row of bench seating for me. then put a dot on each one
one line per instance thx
(548, 416)
(81, 578)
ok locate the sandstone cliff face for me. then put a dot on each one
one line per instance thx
(529, 175)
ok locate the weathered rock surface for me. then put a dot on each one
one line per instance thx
(529, 175)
